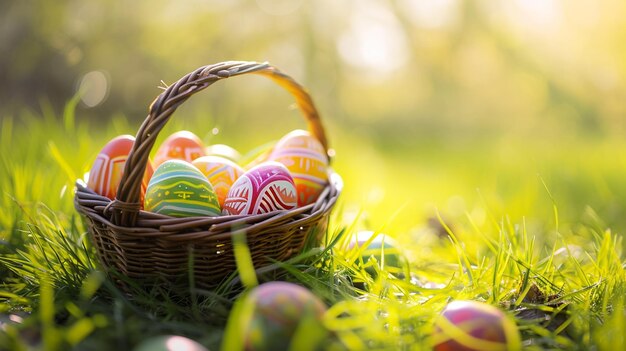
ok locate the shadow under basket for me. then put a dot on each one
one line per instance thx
(149, 247)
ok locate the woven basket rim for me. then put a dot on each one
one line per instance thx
(150, 224)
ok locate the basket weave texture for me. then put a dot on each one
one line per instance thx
(147, 246)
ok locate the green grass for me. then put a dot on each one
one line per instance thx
(534, 228)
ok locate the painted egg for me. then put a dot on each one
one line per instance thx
(179, 189)
(183, 145)
(305, 158)
(221, 173)
(223, 150)
(265, 188)
(169, 343)
(106, 172)
(278, 309)
(473, 325)
(380, 244)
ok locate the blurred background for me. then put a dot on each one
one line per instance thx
(449, 106)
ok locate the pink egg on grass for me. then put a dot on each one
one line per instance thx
(183, 145)
(473, 326)
(106, 172)
(169, 343)
(221, 173)
(265, 188)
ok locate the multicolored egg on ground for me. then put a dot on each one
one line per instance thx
(221, 173)
(106, 171)
(182, 145)
(223, 150)
(305, 157)
(265, 188)
(473, 325)
(278, 310)
(179, 189)
(380, 244)
(169, 343)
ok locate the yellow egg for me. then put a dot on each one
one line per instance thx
(305, 158)
(220, 172)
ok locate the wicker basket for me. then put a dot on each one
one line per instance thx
(145, 246)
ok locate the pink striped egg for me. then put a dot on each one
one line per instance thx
(264, 188)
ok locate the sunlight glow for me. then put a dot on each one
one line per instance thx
(432, 13)
(279, 7)
(94, 88)
(540, 16)
(374, 40)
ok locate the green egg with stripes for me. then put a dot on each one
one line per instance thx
(178, 189)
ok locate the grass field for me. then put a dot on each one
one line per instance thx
(532, 225)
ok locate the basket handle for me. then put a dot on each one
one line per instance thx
(125, 207)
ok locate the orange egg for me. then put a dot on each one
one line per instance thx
(220, 172)
(183, 145)
(106, 172)
(305, 158)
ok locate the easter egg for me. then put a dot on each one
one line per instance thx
(182, 145)
(169, 343)
(223, 150)
(265, 188)
(221, 173)
(473, 325)
(305, 158)
(106, 171)
(380, 244)
(278, 309)
(179, 189)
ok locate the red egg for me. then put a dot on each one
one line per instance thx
(106, 172)
(265, 188)
(183, 145)
(473, 325)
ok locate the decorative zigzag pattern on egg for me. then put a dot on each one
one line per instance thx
(221, 173)
(108, 167)
(106, 174)
(265, 188)
(305, 158)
